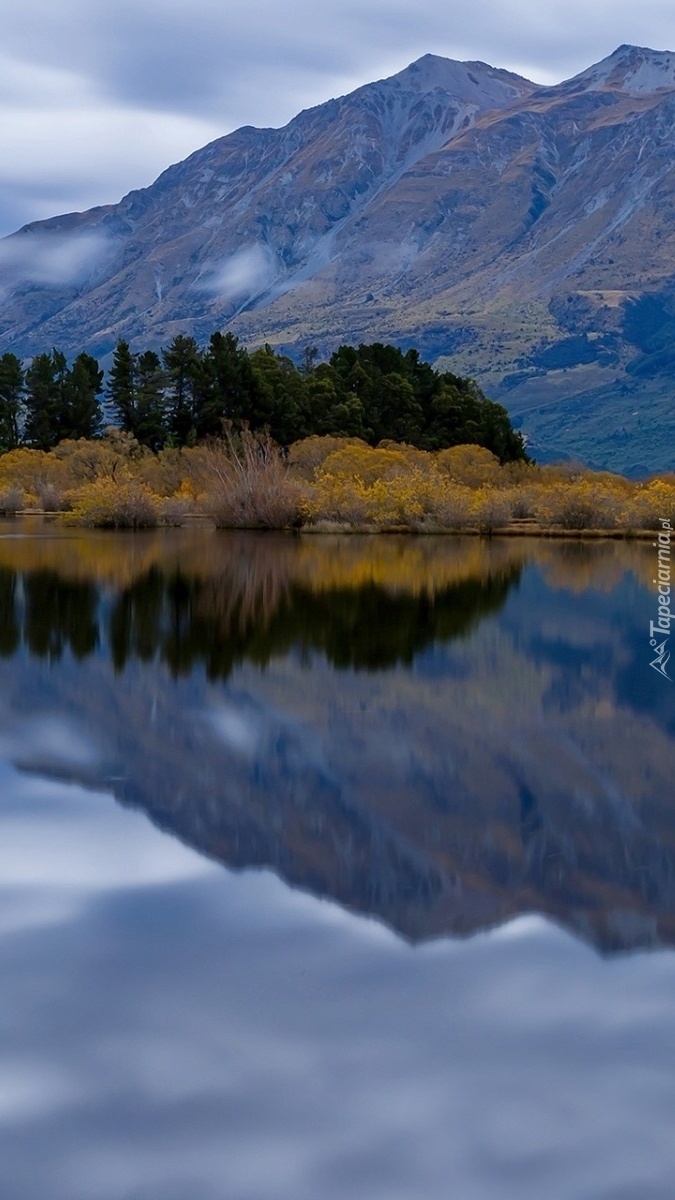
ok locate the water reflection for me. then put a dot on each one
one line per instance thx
(177, 1036)
(443, 733)
(257, 602)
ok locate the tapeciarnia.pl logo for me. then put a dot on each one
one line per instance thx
(661, 626)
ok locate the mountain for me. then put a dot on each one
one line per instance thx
(517, 233)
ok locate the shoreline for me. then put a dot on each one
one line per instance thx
(518, 529)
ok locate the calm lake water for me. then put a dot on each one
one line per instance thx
(333, 869)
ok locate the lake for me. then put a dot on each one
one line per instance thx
(333, 868)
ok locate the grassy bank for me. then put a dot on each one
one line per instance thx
(327, 484)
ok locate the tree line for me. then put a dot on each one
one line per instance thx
(182, 395)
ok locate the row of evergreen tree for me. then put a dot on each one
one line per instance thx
(184, 394)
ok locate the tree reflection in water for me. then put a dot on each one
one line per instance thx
(256, 604)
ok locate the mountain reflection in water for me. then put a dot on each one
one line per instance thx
(440, 732)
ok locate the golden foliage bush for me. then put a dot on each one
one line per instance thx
(107, 505)
(116, 456)
(310, 453)
(491, 509)
(452, 507)
(396, 501)
(524, 500)
(362, 462)
(243, 480)
(412, 498)
(577, 505)
(358, 485)
(473, 466)
(649, 504)
(333, 498)
(26, 469)
(165, 473)
(520, 475)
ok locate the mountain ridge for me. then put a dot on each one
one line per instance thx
(505, 227)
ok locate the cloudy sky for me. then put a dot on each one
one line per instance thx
(96, 99)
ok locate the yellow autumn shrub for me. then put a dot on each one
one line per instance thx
(310, 453)
(578, 504)
(38, 475)
(491, 509)
(108, 505)
(335, 498)
(365, 463)
(452, 506)
(473, 466)
(649, 504)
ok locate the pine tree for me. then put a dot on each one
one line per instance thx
(278, 398)
(44, 402)
(231, 392)
(81, 415)
(183, 361)
(121, 389)
(151, 428)
(11, 395)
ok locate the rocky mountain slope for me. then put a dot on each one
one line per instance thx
(522, 234)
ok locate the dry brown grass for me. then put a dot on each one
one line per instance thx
(246, 484)
(11, 501)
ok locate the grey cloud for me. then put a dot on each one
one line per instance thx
(53, 162)
(216, 59)
(242, 275)
(55, 259)
(249, 63)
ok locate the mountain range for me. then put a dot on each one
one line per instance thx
(516, 233)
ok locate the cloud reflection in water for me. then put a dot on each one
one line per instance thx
(189, 1033)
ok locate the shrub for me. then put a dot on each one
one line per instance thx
(50, 498)
(108, 505)
(579, 505)
(247, 485)
(11, 501)
(452, 507)
(357, 461)
(163, 473)
(524, 501)
(473, 466)
(396, 501)
(333, 498)
(174, 509)
(307, 455)
(651, 503)
(491, 509)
